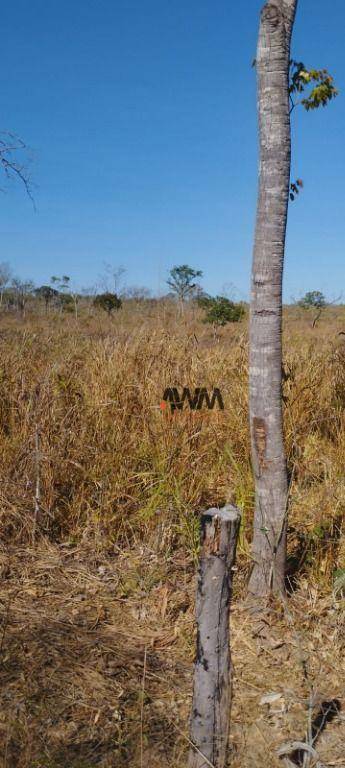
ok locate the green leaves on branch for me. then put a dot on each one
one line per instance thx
(321, 82)
(322, 91)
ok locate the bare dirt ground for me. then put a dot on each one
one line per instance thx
(96, 664)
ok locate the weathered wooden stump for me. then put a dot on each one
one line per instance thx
(212, 684)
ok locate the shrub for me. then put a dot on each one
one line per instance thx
(220, 310)
(108, 302)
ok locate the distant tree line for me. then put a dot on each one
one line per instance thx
(60, 295)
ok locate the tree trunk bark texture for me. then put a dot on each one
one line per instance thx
(265, 365)
(212, 685)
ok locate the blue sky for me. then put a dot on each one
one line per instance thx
(141, 118)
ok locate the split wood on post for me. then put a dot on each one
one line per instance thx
(212, 684)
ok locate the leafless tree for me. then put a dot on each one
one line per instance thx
(22, 290)
(5, 277)
(137, 293)
(89, 293)
(112, 279)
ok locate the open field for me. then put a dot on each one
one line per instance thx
(100, 495)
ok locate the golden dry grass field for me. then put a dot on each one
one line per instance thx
(98, 572)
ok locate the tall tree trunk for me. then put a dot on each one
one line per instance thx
(265, 371)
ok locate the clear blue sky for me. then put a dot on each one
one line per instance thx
(141, 115)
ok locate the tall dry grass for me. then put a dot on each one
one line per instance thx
(100, 492)
(111, 464)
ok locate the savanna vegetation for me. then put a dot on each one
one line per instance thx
(102, 487)
(101, 493)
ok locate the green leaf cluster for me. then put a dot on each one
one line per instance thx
(220, 310)
(322, 92)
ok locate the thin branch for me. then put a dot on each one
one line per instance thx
(292, 103)
(9, 145)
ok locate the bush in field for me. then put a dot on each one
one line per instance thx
(313, 299)
(220, 310)
(108, 301)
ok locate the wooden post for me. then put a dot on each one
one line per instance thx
(212, 685)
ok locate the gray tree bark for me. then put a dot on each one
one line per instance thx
(265, 366)
(212, 685)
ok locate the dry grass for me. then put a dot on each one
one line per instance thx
(98, 572)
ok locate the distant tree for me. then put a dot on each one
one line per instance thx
(89, 293)
(22, 290)
(75, 296)
(112, 280)
(5, 276)
(312, 299)
(182, 282)
(62, 283)
(47, 293)
(137, 292)
(65, 296)
(220, 310)
(108, 301)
